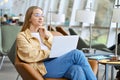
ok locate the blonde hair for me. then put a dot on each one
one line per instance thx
(28, 14)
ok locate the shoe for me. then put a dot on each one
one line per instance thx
(118, 75)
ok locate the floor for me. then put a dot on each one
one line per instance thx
(8, 72)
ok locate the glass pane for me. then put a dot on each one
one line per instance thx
(104, 12)
(100, 35)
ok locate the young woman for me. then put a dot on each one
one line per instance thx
(34, 44)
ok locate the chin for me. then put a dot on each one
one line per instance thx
(41, 25)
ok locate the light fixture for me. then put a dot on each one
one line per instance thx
(58, 19)
(86, 16)
(55, 19)
(5, 1)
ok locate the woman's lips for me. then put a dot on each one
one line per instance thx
(40, 21)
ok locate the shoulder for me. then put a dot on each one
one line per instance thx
(20, 34)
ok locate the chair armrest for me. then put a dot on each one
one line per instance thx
(61, 30)
(50, 28)
(94, 65)
(27, 72)
(99, 46)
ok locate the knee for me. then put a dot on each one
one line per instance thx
(77, 52)
(76, 68)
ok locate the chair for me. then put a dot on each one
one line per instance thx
(83, 44)
(8, 36)
(12, 55)
(0, 41)
(28, 73)
(61, 30)
(50, 28)
(1, 60)
(72, 32)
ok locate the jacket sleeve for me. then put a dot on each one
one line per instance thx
(49, 41)
(29, 53)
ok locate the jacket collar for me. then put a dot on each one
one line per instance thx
(28, 34)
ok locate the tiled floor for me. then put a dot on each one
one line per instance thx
(8, 72)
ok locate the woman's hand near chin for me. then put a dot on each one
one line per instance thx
(43, 32)
(41, 27)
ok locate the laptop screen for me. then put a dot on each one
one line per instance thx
(63, 44)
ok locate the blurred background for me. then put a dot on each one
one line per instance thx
(102, 29)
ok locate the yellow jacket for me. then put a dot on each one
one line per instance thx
(28, 50)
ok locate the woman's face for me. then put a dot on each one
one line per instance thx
(37, 18)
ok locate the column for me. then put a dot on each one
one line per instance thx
(45, 10)
(26, 6)
(32, 2)
(53, 5)
(40, 3)
(111, 32)
(63, 6)
(46, 6)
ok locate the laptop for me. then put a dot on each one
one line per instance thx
(63, 44)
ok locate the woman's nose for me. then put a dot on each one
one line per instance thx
(40, 18)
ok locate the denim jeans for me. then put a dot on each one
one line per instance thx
(73, 65)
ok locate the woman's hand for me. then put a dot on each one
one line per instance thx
(43, 32)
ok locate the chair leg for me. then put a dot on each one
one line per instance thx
(17, 77)
(1, 63)
(103, 76)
